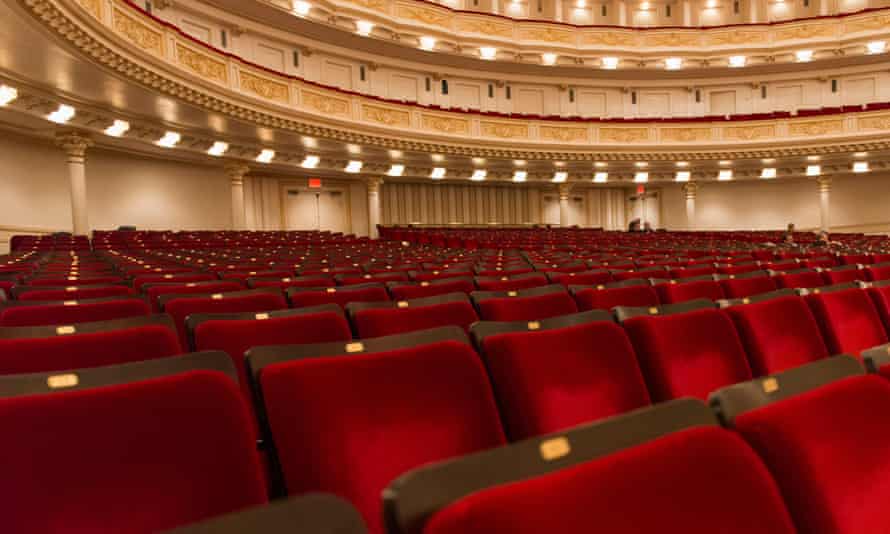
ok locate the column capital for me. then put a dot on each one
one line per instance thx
(236, 172)
(824, 184)
(691, 189)
(75, 145)
(564, 191)
(374, 184)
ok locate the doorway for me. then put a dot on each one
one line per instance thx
(307, 209)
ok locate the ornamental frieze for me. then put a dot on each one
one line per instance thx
(878, 122)
(264, 87)
(796, 129)
(138, 33)
(387, 116)
(685, 135)
(325, 104)
(624, 135)
(563, 134)
(446, 125)
(201, 64)
(503, 130)
(749, 132)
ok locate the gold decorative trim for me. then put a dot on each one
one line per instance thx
(749, 132)
(264, 87)
(326, 104)
(563, 135)
(503, 130)
(810, 128)
(624, 135)
(446, 125)
(387, 116)
(685, 135)
(201, 64)
(138, 33)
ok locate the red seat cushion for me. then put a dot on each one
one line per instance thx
(57, 313)
(848, 319)
(684, 291)
(826, 449)
(138, 458)
(511, 284)
(880, 296)
(338, 295)
(608, 298)
(222, 286)
(377, 322)
(527, 308)
(417, 291)
(778, 334)
(808, 279)
(181, 308)
(349, 425)
(688, 354)
(738, 288)
(691, 481)
(76, 293)
(549, 380)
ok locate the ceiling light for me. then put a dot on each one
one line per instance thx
(682, 164)
(353, 149)
(519, 162)
(645, 6)
(768, 172)
(7, 94)
(363, 27)
(437, 157)
(488, 52)
(438, 173)
(814, 170)
(560, 177)
(641, 177)
(559, 164)
(301, 7)
(609, 63)
(479, 175)
(353, 167)
(396, 154)
(427, 42)
(724, 175)
(737, 61)
(725, 162)
(580, 4)
(396, 170)
(266, 156)
(876, 47)
(548, 58)
(520, 176)
(683, 176)
(813, 158)
(117, 128)
(600, 164)
(711, 4)
(600, 177)
(310, 162)
(860, 154)
(641, 164)
(673, 63)
(310, 142)
(478, 161)
(860, 166)
(170, 140)
(62, 115)
(768, 160)
(804, 55)
(218, 149)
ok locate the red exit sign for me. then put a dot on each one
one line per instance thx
(314, 183)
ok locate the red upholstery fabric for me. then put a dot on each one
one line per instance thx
(846, 275)
(387, 321)
(608, 298)
(642, 274)
(778, 334)
(880, 296)
(527, 308)
(549, 380)
(57, 313)
(181, 308)
(511, 284)
(738, 288)
(341, 296)
(808, 279)
(223, 286)
(135, 458)
(296, 281)
(141, 280)
(236, 337)
(75, 351)
(77, 292)
(683, 291)
(827, 449)
(349, 425)
(878, 273)
(848, 320)
(704, 480)
(351, 280)
(74, 281)
(688, 354)
(429, 276)
(418, 291)
(588, 278)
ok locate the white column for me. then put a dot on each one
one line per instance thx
(823, 8)
(691, 190)
(236, 174)
(824, 203)
(374, 206)
(250, 218)
(622, 13)
(557, 10)
(753, 12)
(75, 146)
(687, 13)
(564, 192)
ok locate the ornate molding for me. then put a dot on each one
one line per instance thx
(389, 117)
(202, 64)
(75, 145)
(268, 89)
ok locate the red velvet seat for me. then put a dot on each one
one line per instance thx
(849, 321)
(376, 319)
(182, 278)
(826, 448)
(875, 273)
(741, 287)
(154, 291)
(687, 354)
(349, 424)
(524, 305)
(138, 448)
(417, 290)
(53, 348)
(778, 334)
(73, 293)
(632, 474)
(511, 283)
(292, 281)
(67, 281)
(584, 278)
(841, 275)
(606, 298)
(799, 279)
(556, 373)
(880, 296)
(302, 297)
(37, 313)
(180, 307)
(672, 293)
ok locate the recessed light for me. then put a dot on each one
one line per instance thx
(876, 47)
(170, 140)
(353, 167)
(560, 177)
(519, 162)
(725, 162)
(860, 166)
(673, 63)
(62, 115)
(117, 128)
(364, 27)
(301, 7)
(641, 164)
(813, 158)
(520, 176)
(478, 161)
(737, 61)
(353, 149)
(559, 164)
(804, 56)
(310, 162)
(479, 175)
(768, 172)
(488, 52)
(7, 94)
(548, 58)
(438, 173)
(600, 177)
(641, 177)
(600, 164)
(724, 175)
(427, 43)
(683, 176)
(609, 63)
(397, 169)
(218, 149)
(310, 142)
(266, 155)
(767, 161)
(437, 157)
(682, 164)
(814, 170)
(860, 154)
